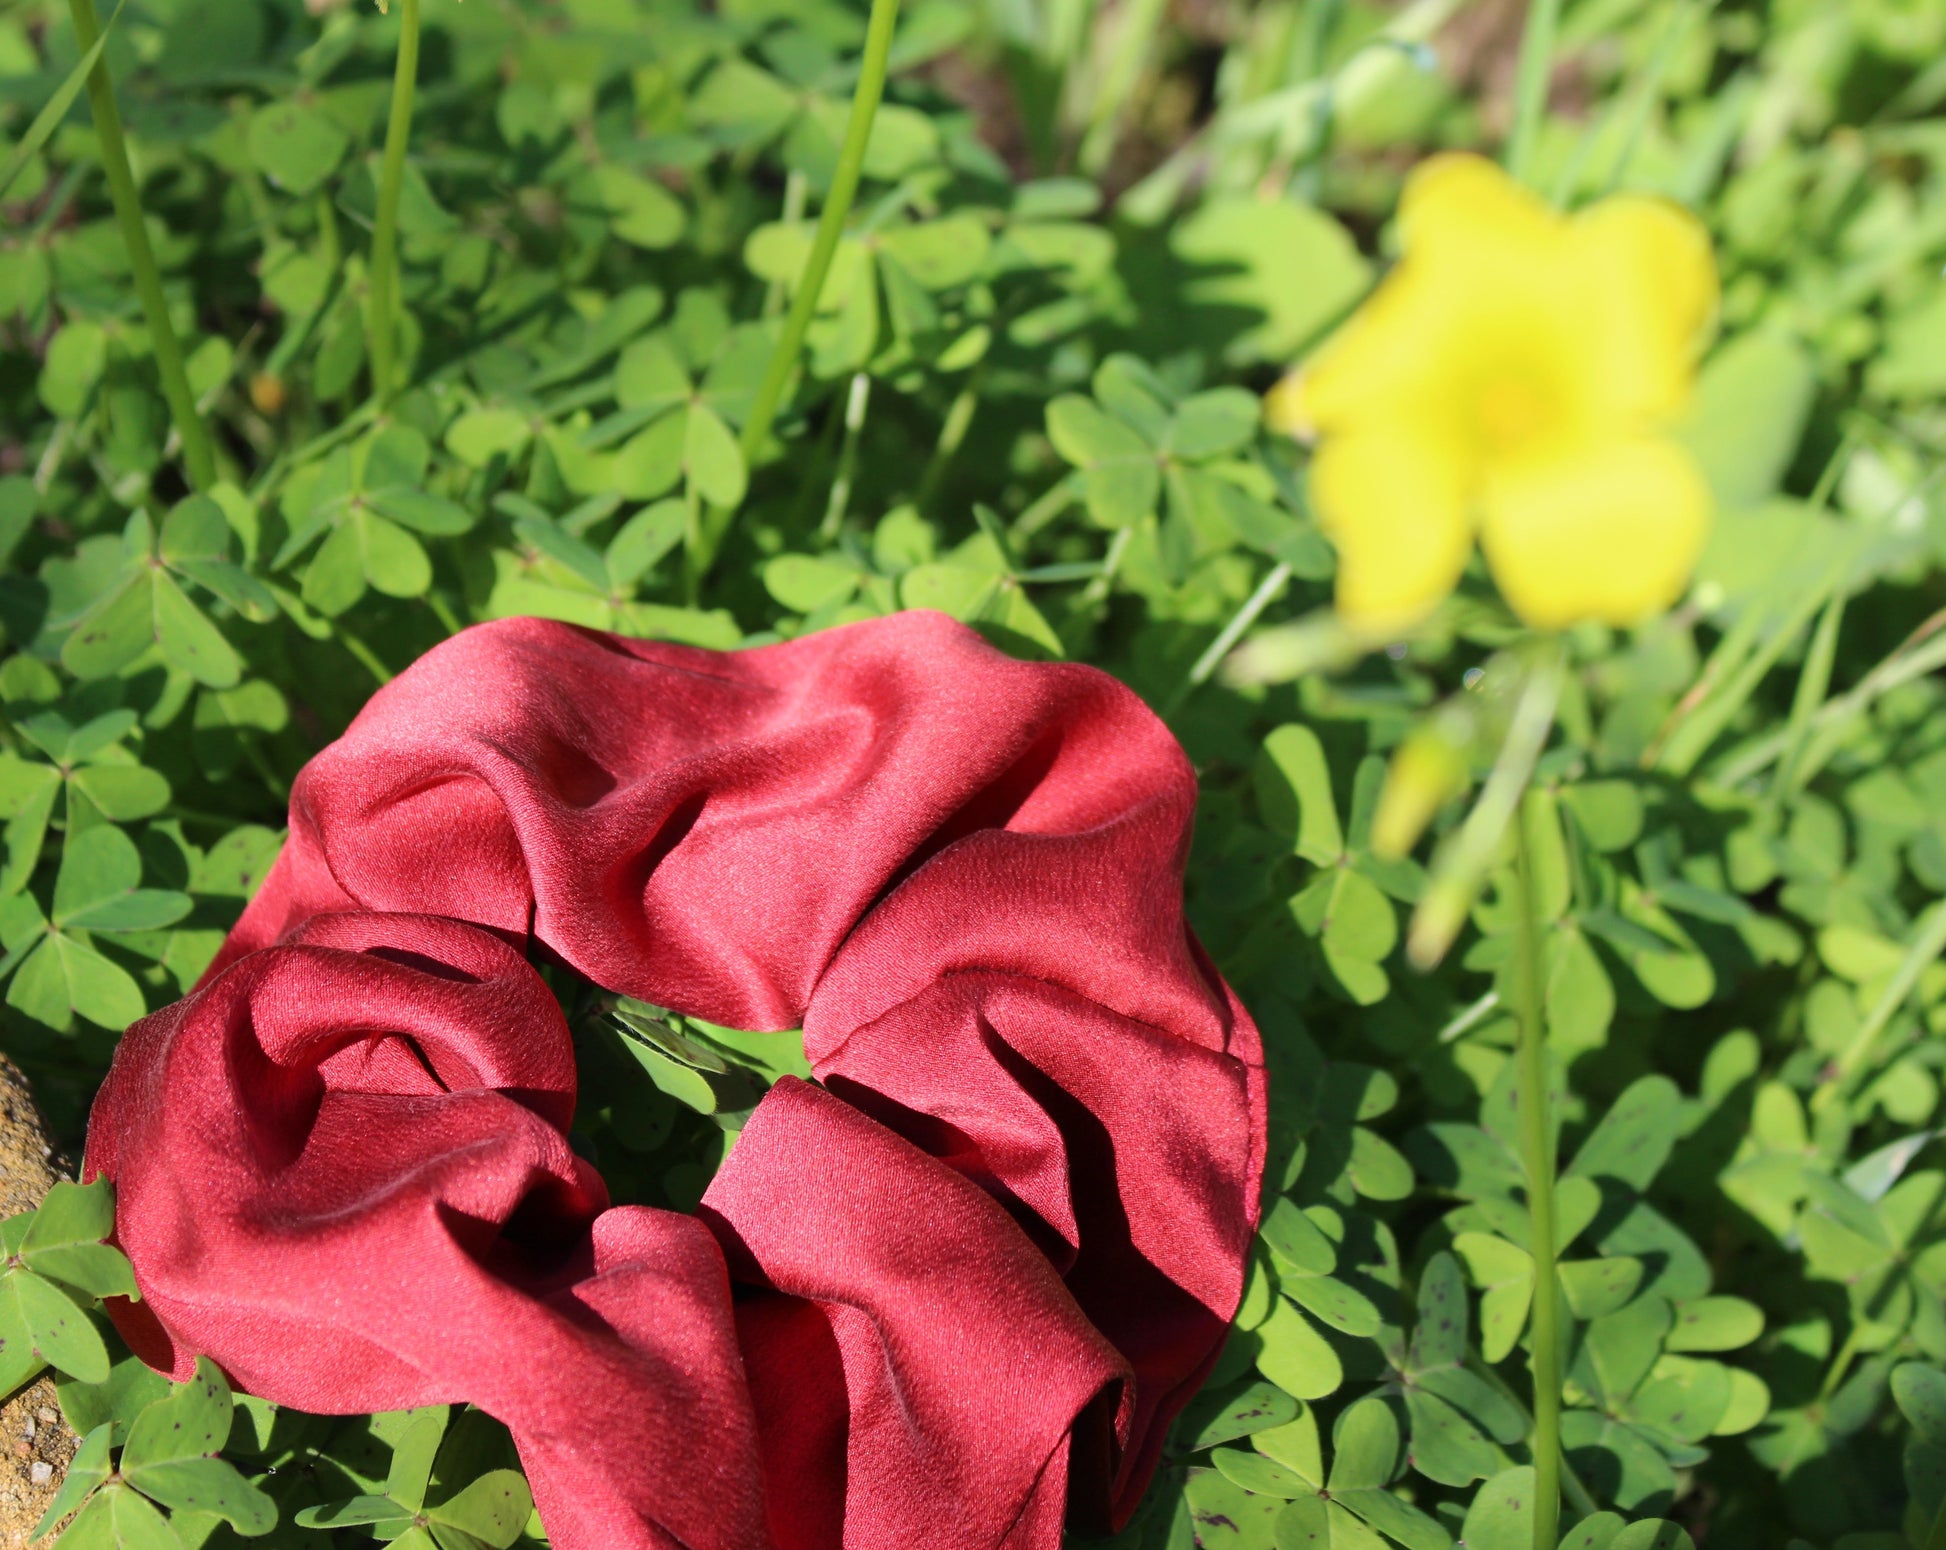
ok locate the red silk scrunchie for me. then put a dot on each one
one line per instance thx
(976, 1271)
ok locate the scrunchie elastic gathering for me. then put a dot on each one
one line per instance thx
(952, 1293)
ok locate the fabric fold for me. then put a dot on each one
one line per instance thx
(341, 1169)
(962, 1284)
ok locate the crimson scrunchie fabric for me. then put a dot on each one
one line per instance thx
(949, 1294)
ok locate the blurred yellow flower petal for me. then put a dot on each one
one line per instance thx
(1611, 535)
(1395, 506)
(1368, 367)
(1514, 355)
(1464, 203)
(1285, 408)
(1653, 293)
(1428, 771)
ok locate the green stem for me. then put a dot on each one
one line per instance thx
(1703, 721)
(1649, 91)
(1927, 944)
(695, 534)
(1918, 654)
(1096, 592)
(1537, 1159)
(1580, 1498)
(952, 432)
(1046, 507)
(367, 657)
(1306, 133)
(1140, 23)
(1229, 635)
(1840, 1365)
(1468, 1018)
(1813, 685)
(1461, 863)
(1530, 84)
(794, 189)
(198, 456)
(443, 611)
(831, 225)
(381, 322)
(856, 402)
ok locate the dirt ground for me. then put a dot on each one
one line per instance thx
(35, 1443)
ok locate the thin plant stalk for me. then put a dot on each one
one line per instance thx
(1533, 72)
(952, 434)
(1461, 863)
(1697, 731)
(1537, 1161)
(367, 658)
(1304, 63)
(1580, 1498)
(382, 320)
(1047, 506)
(1928, 943)
(856, 403)
(1813, 686)
(795, 186)
(1230, 634)
(1140, 21)
(1096, 592)
(1649, 91)
(831, 226)
(198, 455)
(1468, 1018)
(1920, 653)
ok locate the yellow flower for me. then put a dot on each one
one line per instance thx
(1515, 377)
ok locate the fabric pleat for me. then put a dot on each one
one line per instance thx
(951, 1293)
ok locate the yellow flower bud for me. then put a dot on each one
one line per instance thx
(1428, 770)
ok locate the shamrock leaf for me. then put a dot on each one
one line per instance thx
(60, 972)
(170, 1455)
(147, 607)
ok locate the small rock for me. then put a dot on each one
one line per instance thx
(28, 1164)
(36, 1441)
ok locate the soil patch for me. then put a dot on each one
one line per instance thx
(35, 1443)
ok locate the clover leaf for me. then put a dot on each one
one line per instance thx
(370, 505)
(168, 1459)
(420, 1511)
(54, 1267)
(57, 970)
(146, 607)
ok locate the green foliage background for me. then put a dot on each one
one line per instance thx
(1087, 239)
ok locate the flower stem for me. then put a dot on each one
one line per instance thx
(198, 455)
(1535, 68)
(1580, 1498)
(831, 225)
(383, 301)
(1461, 863)
(1537, 1158)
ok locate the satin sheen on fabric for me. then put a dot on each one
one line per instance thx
(950, 1295)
